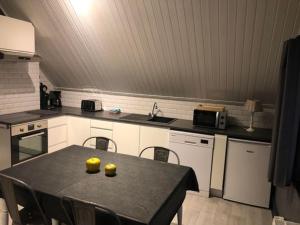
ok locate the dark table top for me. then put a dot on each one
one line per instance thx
(183, 125)
(141, 191)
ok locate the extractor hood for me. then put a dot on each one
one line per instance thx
(16, 37)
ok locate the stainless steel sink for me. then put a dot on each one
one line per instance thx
(146, 118)
(135, 117)
(160, 119)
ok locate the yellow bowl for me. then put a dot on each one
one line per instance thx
(110, 169)
(93, 165)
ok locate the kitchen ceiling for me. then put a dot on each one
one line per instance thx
(204, 49)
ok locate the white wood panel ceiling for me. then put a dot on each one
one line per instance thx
(206, 49)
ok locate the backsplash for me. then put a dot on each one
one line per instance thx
(19, 91)
(19, 86)
(171, 108)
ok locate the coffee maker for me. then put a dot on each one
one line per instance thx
(55, 99)
(44, 96)
(49, 100)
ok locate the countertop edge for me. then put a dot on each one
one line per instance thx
(264, 135)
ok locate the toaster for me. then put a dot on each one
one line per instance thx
(91, 105)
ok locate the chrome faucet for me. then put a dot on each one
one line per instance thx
(155, 107)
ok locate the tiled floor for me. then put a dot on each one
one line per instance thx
(215, 211)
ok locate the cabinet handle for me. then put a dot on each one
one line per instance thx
(190, 142)
(33, 135)
(249, 151)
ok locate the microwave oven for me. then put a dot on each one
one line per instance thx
(210, 118)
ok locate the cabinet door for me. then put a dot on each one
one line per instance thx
(57, 135)
(246, 177)
(102, 124)
(127, 138)
(57, 121)
(218, 164)
(78, 130)
(153, 136)
(57, 147)
(96, 132)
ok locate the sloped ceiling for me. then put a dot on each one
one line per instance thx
(206, 49)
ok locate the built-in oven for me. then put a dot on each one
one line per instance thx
(28, 140)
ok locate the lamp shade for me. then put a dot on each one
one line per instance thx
(253, 105)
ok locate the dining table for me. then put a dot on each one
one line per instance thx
(143, 191)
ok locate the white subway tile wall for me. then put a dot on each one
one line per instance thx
(19, 91)
(19, 87)
(178, 109)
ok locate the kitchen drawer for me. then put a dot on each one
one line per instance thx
(62, 120)
(95, 132)
(102, 124)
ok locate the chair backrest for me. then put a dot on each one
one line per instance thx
(80, 212)
(9, 185)
(102, 143)
(161, 154)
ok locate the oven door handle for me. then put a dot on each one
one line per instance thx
(33, 135)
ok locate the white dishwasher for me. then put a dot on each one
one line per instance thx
(194, 150)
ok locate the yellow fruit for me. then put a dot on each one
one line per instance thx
(110, 169)
(93, 164)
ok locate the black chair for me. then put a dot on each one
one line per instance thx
(162, 154)
(102, 143)
(78, 212)
(33, 213)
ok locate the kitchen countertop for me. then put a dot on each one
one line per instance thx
(259, 134)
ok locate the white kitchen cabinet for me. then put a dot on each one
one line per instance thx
(153, 136)
(246, 177)
(102, 124)
(218, 165)
(97, 132)
(5, 149)
(127, 138)
(57, 133)
(78, 130)
(57, 147)
(101, 128)
(17, 37)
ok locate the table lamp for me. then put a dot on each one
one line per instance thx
(252, 106)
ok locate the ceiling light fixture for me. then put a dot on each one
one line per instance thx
(82, 7)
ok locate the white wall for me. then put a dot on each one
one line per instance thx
(19, 86)
(178, 109)
(45, 81)
(19, 91)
